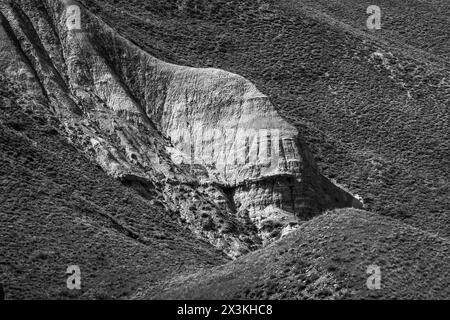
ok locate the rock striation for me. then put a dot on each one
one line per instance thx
(204, 144)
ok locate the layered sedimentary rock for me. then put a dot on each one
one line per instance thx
(204, 143)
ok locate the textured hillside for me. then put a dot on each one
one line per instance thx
(59, 209)
(206, 132)
(190, 148)
(374, 113)
(410, 24)
(327, 258)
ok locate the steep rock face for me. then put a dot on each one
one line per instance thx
(102, 118)
(204, 143)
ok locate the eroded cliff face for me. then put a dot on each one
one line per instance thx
(204, 144)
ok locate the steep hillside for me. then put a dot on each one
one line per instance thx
(213, 149)
(375, 113)
(206, 142)
(58, 209)
(327, 258)
(410, 24)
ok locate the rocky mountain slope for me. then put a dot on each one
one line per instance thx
(157, 166)
(60, 209)
(374, 112)
(144, 120)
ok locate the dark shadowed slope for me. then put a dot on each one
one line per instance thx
(376, 116)
(422, 25)
(327, 258)
(58, 209)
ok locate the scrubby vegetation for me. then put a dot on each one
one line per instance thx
(327, 258)
(58, 209)
(375, 112)
(373, 106)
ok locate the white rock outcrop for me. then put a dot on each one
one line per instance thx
(204, 143)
